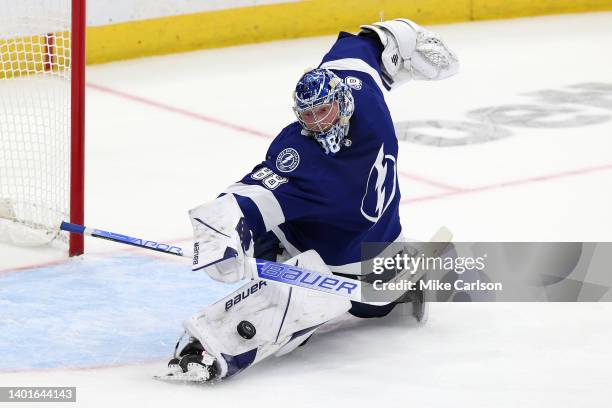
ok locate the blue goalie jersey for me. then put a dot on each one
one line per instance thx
(309, 200)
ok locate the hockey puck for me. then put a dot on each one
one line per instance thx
(246, 330)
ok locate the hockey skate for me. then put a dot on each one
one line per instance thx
(413, 303)
(192, 365)
(420, 307)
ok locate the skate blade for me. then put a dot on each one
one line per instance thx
(177, 379)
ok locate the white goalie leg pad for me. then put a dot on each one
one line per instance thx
(412, 52)
(264, 318)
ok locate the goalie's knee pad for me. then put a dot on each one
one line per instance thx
(411, 52)
(264, 318)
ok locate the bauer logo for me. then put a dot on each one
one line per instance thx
(240, 296)
(354, 83)
(301, 277)
(196, 252)
(287, 160)
(380, 189)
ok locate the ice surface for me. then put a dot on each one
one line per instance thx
(166, 134)
(99, 310)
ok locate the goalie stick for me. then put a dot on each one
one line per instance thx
(269, 270)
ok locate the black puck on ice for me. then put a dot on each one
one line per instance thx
(246, 330)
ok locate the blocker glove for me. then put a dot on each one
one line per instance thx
(222, 240)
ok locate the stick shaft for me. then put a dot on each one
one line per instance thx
(267, 270)
(124, 239)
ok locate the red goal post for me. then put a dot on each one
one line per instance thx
(77, 129)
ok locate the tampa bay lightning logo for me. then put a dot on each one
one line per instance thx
(287, 160)
(381, 186)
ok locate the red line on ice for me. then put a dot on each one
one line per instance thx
(34, 266)
(121, 249)
(180, 111)
(429, 181)
(81, 368)
(511, 183)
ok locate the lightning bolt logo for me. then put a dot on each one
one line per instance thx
(377, 182)
(287, 159)
(381, 171)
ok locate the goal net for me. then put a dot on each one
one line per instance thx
(41, 108)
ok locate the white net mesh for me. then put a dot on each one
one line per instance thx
(34, 120)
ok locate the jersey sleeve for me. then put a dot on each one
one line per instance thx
(356, 53)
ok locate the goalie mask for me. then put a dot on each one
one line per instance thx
(323, 105)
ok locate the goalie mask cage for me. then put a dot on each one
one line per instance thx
(42, 83)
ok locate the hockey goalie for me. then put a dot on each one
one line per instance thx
(328, 183)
